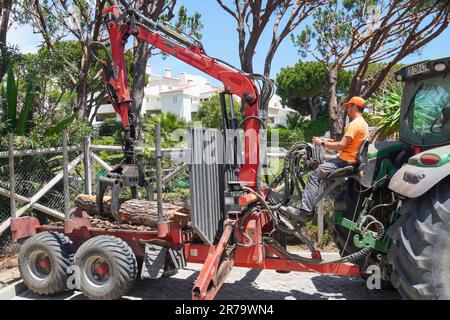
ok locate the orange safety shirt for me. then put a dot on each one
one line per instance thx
(358, 130)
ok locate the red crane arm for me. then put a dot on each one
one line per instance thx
(234, 81)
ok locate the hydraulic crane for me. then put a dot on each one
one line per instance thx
(248, 225)
(162, 36)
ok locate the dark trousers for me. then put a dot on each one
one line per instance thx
(311, 191)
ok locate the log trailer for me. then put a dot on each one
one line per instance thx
(236, 213)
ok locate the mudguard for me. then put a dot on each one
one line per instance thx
(415, 179)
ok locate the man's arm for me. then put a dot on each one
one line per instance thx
(334, 145)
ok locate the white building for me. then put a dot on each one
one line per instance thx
(183, 96)
(277, 113)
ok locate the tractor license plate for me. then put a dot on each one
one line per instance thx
(417, 69)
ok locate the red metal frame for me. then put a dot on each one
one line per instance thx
(234, 81)
(233, 248)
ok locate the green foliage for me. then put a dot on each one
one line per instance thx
(189, 24)
(375, 68)
(210, 114)
(179, 196)
(169, 124)
(299, 129)
(112, 158)
(316, 128)
(386, 111)
(10, 96)
(286, 137)
(293, 122)
(307, 81)
(109, 127)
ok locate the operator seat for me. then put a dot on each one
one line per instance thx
(332, 184)
(361, 158)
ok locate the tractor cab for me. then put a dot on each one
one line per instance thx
(424, 123)
(425, 110)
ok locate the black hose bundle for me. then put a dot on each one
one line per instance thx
(300, 158)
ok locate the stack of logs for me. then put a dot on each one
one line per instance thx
(133, 211)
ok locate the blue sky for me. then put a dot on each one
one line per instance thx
(220, 40)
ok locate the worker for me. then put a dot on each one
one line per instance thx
(355, 133)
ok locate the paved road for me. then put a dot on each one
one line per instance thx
(246, 284)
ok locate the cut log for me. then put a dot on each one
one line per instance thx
(133, 211)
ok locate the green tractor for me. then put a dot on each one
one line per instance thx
(405, 185)
(392, 210)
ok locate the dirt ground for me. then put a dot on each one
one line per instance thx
(9, 271)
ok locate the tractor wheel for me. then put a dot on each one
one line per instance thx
(43, 262)
(108, 268)
(420, 254)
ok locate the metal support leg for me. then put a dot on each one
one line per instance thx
(87, 166)
(158, 173)
(163, 225)
(320, 224)
(66, 175)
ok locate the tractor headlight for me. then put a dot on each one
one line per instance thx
(399, 77)
(439, 67)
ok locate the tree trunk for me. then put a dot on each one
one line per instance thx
(141, 55)
(82, 89)
(312, 109)
(4, 25)
(247, 63)
(335, 111)
(134, 211)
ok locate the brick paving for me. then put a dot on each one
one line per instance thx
(248, 284)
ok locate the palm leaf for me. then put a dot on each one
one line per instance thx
(25, 112)
(11, 98)
(61, 125)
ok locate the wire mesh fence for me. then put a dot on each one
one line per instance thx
(32, 173)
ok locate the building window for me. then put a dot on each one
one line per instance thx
(175, 99)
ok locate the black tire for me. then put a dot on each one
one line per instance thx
(43, 262)
(121, 268)
(420, 254)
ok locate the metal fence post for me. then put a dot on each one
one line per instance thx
(87, 166)
(66, 175)
(158, 173)
(12, 178)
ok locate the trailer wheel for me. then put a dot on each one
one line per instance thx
(108, 268)
(420, 254)
(43, 262)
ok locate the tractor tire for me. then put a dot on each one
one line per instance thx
(420, 254)
(108, 268)
(43, 262)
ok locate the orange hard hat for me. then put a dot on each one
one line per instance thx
(358, 101)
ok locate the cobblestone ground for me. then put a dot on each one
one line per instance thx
(246, 284)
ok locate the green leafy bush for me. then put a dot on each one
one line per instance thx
(386, 111)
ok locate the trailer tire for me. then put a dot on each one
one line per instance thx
(108, 268)
(43, 262)
(420, 254)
